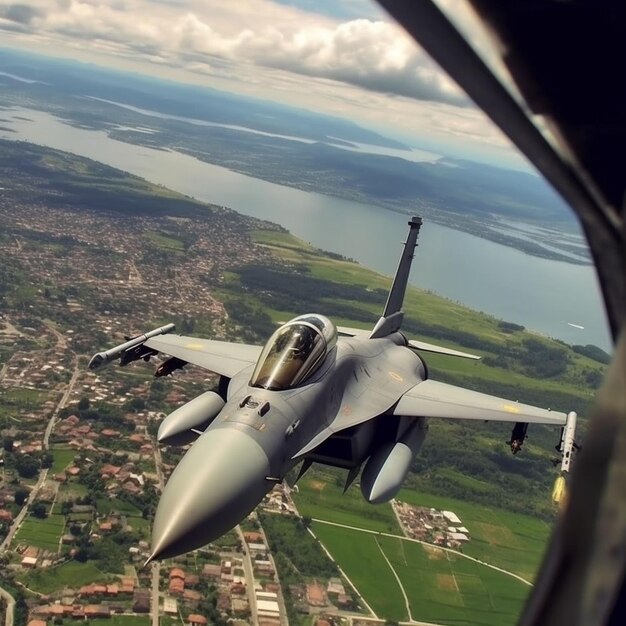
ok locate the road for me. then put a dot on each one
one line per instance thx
(10, 600)
(43, 474)
(60, 405)
(249, 572)
(154, 601)
(156, 565)
(395, 574)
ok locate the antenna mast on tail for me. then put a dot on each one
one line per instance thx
(391, 320)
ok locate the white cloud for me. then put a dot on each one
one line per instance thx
(375, 55)
(368, 70)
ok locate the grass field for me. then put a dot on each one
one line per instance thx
(165, 242)
(323, 499)
(508, 540)
(63, 457)
(43, 533)
(360, 558)
(106, 505)
(71, 574)
(441, 587)
(446, 588)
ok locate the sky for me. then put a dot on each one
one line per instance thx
(341, 57)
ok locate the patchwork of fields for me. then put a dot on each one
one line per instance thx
(427, 583)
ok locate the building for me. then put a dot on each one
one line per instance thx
(451, 517)
(170, 606)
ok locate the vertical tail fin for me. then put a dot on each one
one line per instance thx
(391, 319)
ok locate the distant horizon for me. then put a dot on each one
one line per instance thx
(132, 73)
(345, 58)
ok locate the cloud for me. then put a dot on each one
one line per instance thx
(375, 55)
(20, 15)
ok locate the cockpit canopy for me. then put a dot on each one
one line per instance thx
(294, 352)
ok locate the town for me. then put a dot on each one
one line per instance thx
(81, 471)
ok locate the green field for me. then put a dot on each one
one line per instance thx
(319, 497)
(165, 242)
(107, 505)
(43, 533)
(63, 457)
(441, 587)
(446, 588)
(360, 558)
(71, 574)
(509, 540)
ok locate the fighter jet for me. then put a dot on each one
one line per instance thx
(314, 393)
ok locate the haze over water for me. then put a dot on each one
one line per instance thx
(543, 295)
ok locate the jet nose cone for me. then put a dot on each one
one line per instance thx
(215, 485)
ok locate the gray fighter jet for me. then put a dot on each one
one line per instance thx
(310, 395)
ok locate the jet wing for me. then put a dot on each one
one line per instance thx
(430, 398)
(221, 357)
(359, 333)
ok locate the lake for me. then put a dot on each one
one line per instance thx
(543, 295)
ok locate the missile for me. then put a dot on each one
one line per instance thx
(567, 445)
(567, 441)
(387, 468)
(183, 425)
(102, 358)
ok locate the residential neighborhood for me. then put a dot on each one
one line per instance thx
(81, 469)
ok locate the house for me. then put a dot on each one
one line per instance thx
(197, 620)
(335, 586)
(177, 572)
(170, 606)
(5, 515)
(176, 586)
(94, 611)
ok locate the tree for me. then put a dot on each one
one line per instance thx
(46, 460)
(26, 466)
(20, 496)
(7, 444)
(39, 510)
(83, 404)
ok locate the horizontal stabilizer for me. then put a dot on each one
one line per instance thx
(431, 347)
(434, 399)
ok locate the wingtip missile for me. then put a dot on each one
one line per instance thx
(102, 358)
(566, 447)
